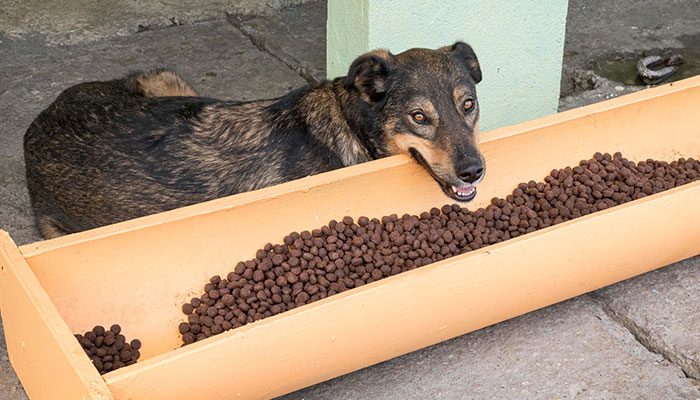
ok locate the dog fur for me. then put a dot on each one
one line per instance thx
(110, 151)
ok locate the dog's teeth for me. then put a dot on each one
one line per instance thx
(463, 193)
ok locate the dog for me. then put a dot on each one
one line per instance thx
(109, 151)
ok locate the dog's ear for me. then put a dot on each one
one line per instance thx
(369, 74)
(464, 54)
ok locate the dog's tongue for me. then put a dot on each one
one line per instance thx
(464, 190)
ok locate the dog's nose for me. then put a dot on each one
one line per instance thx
(471, 172)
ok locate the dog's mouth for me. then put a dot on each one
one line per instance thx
(464, 192)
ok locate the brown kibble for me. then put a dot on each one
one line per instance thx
(258, 275)
(302, 298)
(447, 236)
(125, 354)
(107, 349)
(240, 268)
(188, 338)
(90, 335)
(342, 255)
(227, 300)
(277, 259)
(514, 220)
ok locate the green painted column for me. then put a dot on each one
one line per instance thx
(519, 44)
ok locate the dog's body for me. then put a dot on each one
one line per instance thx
(105, 152)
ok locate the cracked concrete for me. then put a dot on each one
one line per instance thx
(290, 38)
(635, 340)
(661, 309)
(653, 344)
(78, 21)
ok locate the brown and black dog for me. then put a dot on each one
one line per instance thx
(105, 152)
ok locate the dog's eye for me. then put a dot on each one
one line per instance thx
(419, 117)
(468, 105)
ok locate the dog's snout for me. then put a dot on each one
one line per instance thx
(470, 172)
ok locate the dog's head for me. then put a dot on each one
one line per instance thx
(426, 104)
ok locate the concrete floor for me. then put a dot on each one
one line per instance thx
(601, 33)
(639, 339)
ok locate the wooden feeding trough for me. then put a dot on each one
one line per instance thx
(138, 273)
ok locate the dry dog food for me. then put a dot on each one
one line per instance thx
(108, 349)
(342, 255)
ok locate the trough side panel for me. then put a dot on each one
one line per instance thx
(425, 306)
(46, 357)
